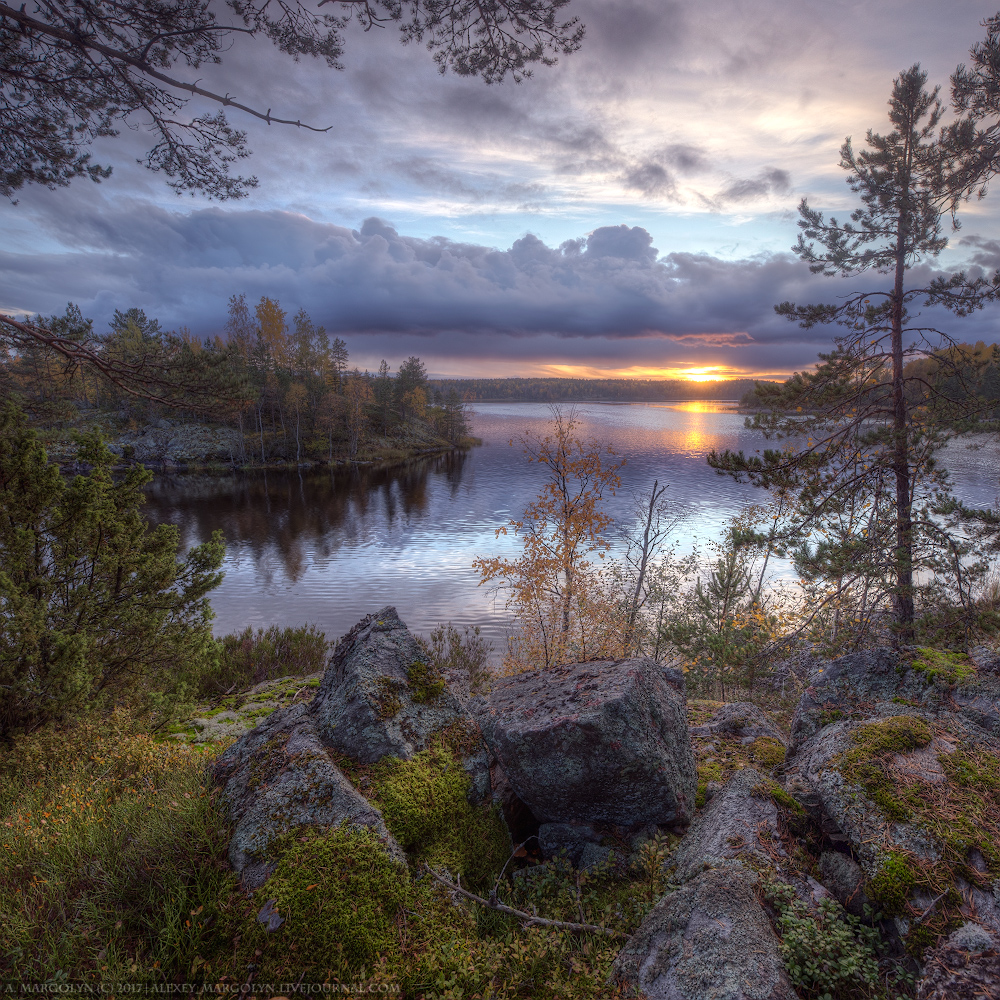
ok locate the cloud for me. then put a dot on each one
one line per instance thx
(608, 297)
(770, 181)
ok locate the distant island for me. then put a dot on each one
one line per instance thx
(554, 390)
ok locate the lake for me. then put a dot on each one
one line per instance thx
(329, 547)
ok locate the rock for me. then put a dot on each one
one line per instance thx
(279, 777)
(863, 683)
(965, 966)
(843, 876)
(733, 825)
(604, 742)
(521, 824)
(378, 698)
(741, 719)
(556, 837)
(594, 854)
(882, 743)
(710, 940)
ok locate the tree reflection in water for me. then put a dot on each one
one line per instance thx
(276, 518)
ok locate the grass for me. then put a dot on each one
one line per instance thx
(112, 856)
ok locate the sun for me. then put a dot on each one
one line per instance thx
(710, 374)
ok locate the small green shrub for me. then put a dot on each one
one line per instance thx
(449, 649)
(339, 893)
(250, 657)
(827, 952)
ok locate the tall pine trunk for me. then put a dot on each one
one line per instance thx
(903, 598)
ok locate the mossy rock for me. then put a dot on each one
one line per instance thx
(944, 667)
(889, 888)
(425, 804)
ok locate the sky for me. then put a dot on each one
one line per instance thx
(627, 212)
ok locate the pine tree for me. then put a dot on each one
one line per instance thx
(95, 606)
(864, 425)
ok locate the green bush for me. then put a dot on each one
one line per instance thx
(95, 607)
(828, 954)
(251, 657)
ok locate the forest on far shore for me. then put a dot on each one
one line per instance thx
(557, 390)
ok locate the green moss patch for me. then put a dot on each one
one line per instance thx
(426, 682)
(772, 790)
(768, 752)
(868, 764)
(425, 805)
(339, 893)
(942, 666)
(890, 887)
(387, 697)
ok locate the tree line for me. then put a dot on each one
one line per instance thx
(281, 384)
(556, 390)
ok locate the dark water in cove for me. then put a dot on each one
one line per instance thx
(330, 547)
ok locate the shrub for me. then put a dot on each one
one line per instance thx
(250, 657)
(827, 952)
(95, 607)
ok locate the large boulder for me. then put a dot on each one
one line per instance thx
(741, 822)
(710, 940)
(377, 698)
(895, 755)
(380, 698)
(601, 743)
(279, 778)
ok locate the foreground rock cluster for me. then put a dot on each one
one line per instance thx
(881, 801)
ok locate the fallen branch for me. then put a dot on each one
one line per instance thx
(492, 903)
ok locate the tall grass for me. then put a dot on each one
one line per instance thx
(112, 856)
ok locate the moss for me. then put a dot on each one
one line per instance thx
(867, 764)
(387, 697)
(425, 806)
(768, 751)
(943, 666)
(919, 940)
(829, 716)
(339, 893)
(706, 772)
(772, 790)
(426, 682)
(889, 888)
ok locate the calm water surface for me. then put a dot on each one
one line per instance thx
(330, 547)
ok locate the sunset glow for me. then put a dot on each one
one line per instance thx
(707, 373)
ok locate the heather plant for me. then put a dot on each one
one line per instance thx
(253, 656)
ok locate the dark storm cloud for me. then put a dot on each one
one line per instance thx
(611, 285)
